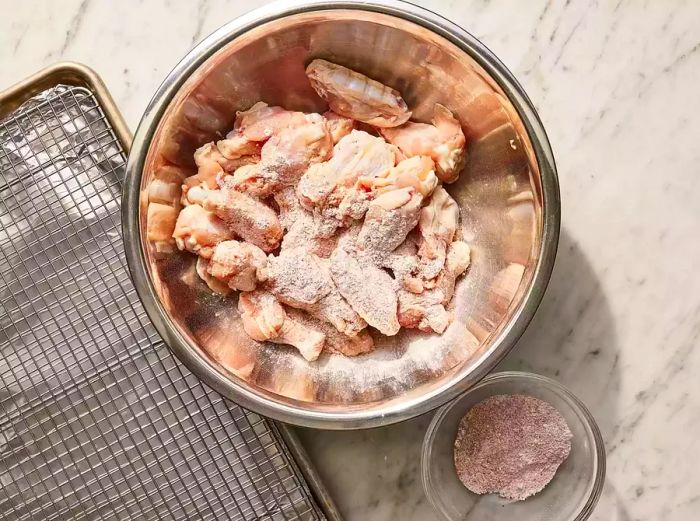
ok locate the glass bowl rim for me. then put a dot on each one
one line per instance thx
(596, 437)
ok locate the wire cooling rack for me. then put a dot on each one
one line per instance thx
(97, 419)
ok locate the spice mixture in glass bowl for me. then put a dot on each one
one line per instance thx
(499, 399)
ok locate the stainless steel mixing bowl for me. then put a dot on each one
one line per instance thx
(508, 195)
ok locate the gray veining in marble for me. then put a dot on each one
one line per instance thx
(616, 84)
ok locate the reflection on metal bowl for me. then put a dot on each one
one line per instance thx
(507, 193)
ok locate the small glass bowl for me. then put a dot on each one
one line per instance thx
(570, 496)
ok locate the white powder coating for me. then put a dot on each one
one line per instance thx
(385, 229)
(302, 280)
(296, 278)
(329, 188)
(369, 290)
(247, 217)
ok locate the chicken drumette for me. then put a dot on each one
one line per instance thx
(198, 230)
(264, 318)
(238, 265)
(330, 189)
(246, 216)
(301, 279)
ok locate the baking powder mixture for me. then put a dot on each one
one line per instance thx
(511, 445)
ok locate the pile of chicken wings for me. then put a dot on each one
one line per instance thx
(324, 224)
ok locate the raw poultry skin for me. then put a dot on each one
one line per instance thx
(244, 215)
(286, 156)
(443, 141)
(301, 279)
(198, 230)
(356, 96)
(239, 265)
(264, 318)
(427, 310)
(331, 190)
(325, 225)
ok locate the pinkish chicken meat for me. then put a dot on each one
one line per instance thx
(356, 96)
(302, 280)
(437, 226)
(300, 226)
(217, 286)
(390, 218)
(198, 230)
(443, 141)
(261, 121)
(264, 318)
(427, 310)
(247, 217)
(285, 157)
(330, 189)
(349, 203)
(161, 220)
(417, 172)
(339, 126)
(238, 265)
(368, 289)
(336, 342)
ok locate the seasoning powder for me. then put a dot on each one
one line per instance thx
(510, 445)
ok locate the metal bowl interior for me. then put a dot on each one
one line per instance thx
(507, 193)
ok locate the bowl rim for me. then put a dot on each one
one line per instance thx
(260, 401)
(598, 451)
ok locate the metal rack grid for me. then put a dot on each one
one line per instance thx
(97, 419)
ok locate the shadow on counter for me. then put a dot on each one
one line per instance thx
(572, 337)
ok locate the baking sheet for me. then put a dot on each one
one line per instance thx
(97, 419)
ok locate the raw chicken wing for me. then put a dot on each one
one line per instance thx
(336, 342)
(368, 289)
(247, 217)
(339, 126)
(458, 260)
(308, 340)
(236, 150)
(198, 230)
(415, 172)
(260, 122)
(301, 280)
(437, 226)
(264, 319)
(404, 264)
(216, 285)
(390, 218)
(330, 188)
(296, 278)
(238, 265)
(423, 311)
(160, 225)
(212, 166)
(261, 314)
(300, 226)
(356, 96)
(165, 188)
(427, 310)
(229, 158)
(286, 156)
(443, 141)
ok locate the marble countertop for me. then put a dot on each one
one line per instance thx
(616, 84)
